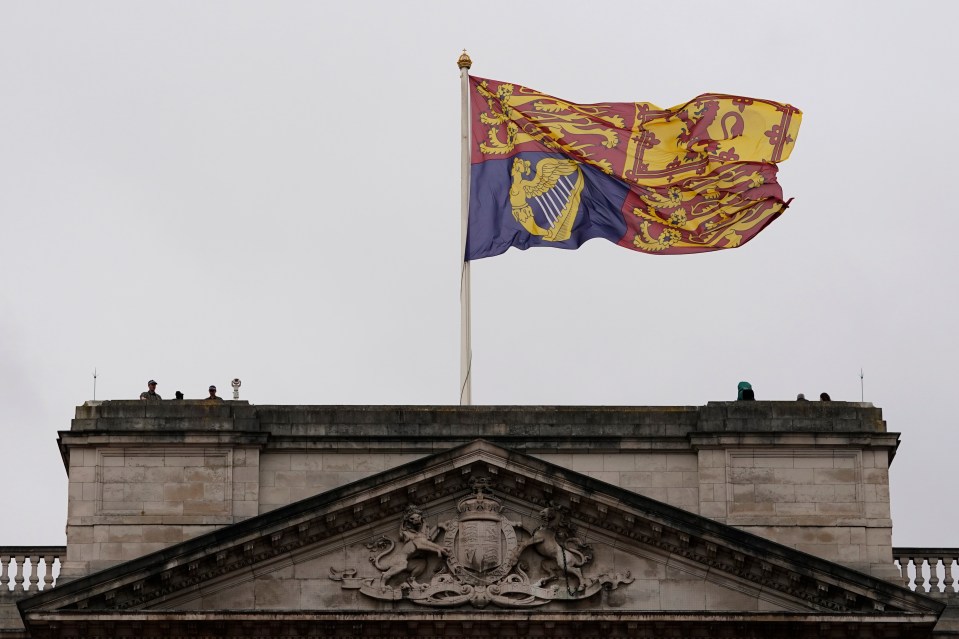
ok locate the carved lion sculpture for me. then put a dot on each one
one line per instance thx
(565, 556)
(417, 538)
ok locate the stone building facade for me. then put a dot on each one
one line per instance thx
(739, 519)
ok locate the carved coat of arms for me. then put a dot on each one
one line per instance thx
(479, 559)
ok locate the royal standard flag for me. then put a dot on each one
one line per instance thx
(698, 177)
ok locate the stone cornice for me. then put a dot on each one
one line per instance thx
(427, 429)
(794, 440)
(485, 421)
(351, 623)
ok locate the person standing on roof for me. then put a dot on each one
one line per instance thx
(151, 395)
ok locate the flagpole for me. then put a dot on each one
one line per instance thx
(466, 351)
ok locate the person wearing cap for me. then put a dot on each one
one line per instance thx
(151, 395)
(213, 396)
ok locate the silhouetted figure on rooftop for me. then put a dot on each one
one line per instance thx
(151, 395)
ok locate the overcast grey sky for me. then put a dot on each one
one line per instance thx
(196, 191)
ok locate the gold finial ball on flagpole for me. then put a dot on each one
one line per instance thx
(464, 61)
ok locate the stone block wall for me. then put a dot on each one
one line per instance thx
(286, 477)
(127, 500)
(672, 477)
(822, 500)
(813, 476)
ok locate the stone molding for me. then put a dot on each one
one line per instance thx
(425, 429)
(516, 625)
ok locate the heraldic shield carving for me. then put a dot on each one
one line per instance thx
(476, 559)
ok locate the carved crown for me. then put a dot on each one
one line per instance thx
(481, 504)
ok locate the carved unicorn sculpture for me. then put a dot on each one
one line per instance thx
(569, 554)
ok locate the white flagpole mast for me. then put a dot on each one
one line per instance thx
(466, 351)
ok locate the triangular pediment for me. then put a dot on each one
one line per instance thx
(599, 547)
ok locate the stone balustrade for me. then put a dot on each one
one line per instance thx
(29, 569)
(930, 570)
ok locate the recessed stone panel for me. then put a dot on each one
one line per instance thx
(153, 481)
(768, 486)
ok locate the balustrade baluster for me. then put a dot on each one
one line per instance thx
(903, 569)
(48, 573)
(910, 578)
(18, 578)
(933, 573)
(917, 562)
(4, 574)
(34, 574)
(947, 564)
